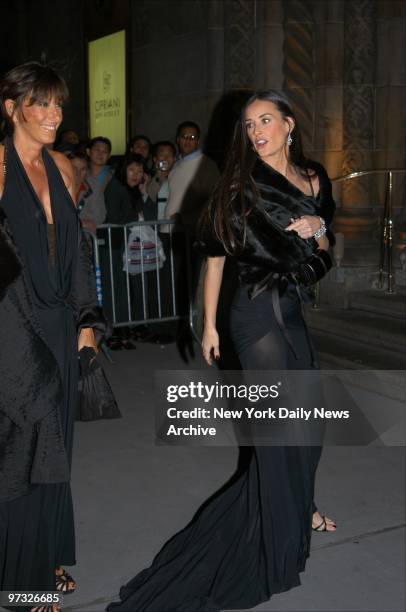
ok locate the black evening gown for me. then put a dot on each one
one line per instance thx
(37, 530)
(253, 538)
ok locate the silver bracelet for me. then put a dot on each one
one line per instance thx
(322, 230)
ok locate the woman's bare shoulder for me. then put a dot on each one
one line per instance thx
(61, 161)
(65, 168)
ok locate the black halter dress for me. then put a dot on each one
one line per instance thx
(37, 530)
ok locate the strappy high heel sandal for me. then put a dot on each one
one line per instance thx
(323, 525)
(62, 581)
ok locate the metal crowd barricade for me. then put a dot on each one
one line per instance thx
(114, 267)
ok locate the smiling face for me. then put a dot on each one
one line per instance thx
(38, 121)
(267, 129)
(134, 174)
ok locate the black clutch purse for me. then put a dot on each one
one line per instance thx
(96, 398)
(314, 268)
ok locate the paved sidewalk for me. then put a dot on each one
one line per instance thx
(131, 496)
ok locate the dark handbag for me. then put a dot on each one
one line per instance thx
(96, 399)
(314, 268)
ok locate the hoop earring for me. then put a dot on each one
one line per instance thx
(289, 140)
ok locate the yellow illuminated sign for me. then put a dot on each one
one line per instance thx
(107, 90)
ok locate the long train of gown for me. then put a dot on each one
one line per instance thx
(252, 539)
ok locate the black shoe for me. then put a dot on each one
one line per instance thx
(140, 333)
(162, 339)
(115, 344)
(128, 345)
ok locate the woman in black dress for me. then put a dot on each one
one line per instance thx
(52, 303)
(252, 539)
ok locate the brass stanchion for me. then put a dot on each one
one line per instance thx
(389, 233)
(384, 235)
(387, 238)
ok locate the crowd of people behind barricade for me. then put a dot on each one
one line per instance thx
(152, 183)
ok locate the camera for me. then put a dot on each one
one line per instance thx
(163, 165)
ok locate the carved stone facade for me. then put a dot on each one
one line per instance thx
(358, 219)
(299, 64)
(335, 60)
(359, 67)
(342, 63)
(239, 39)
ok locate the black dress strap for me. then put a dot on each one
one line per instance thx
(310, 182)
(275, 282)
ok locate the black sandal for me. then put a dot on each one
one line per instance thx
(62, 583)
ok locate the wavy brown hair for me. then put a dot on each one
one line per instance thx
(32, 81)
(236, 193)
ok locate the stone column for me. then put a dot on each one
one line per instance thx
(231, 68)
(298, 64)
(269, 46)
(215, 49)
(390, 105)
(329, 68)
(355, 219)
(239, 60)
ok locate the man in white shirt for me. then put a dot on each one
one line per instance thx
(192, 179)
(190, 185)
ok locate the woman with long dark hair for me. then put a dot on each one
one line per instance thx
(48, 313)
(135, 176)
(270, 210)
(268, 190)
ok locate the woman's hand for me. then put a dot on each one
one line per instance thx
(210, 345)
(306, 226)
(146, 179)
(86, 338)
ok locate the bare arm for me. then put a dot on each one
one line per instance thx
(86, 335)
(212, 283)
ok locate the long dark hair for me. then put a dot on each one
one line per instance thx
(131, 158)
(31, 80)
(236, 192)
